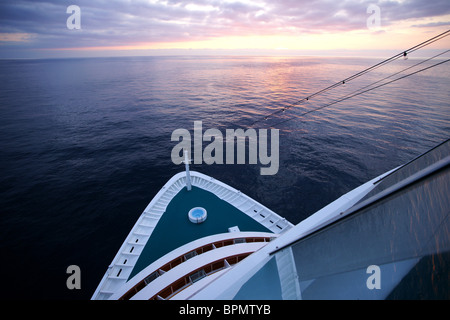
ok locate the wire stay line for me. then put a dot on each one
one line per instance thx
(361, 73)
(361, 92)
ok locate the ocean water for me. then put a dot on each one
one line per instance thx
(85, 144)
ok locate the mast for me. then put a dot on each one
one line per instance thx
(188, 175)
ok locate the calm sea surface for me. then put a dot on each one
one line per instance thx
(85, 144)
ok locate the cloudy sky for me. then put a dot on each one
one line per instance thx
(35, 28)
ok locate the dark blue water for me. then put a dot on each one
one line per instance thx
(85, 145)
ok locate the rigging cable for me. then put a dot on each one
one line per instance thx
(365, 91)
(394, 74)
(359, 74)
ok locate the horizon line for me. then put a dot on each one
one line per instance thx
(181, 52)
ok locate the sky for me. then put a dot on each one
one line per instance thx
(40, 29)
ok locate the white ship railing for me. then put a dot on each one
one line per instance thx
(123, 263)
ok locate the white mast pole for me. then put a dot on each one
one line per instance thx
(188, 175)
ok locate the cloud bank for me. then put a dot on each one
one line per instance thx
(113, 23)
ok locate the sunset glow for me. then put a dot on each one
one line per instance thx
(148, 27)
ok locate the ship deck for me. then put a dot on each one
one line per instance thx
(164, 226)
(174, 228)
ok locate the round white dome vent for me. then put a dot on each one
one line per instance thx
(197, 215)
